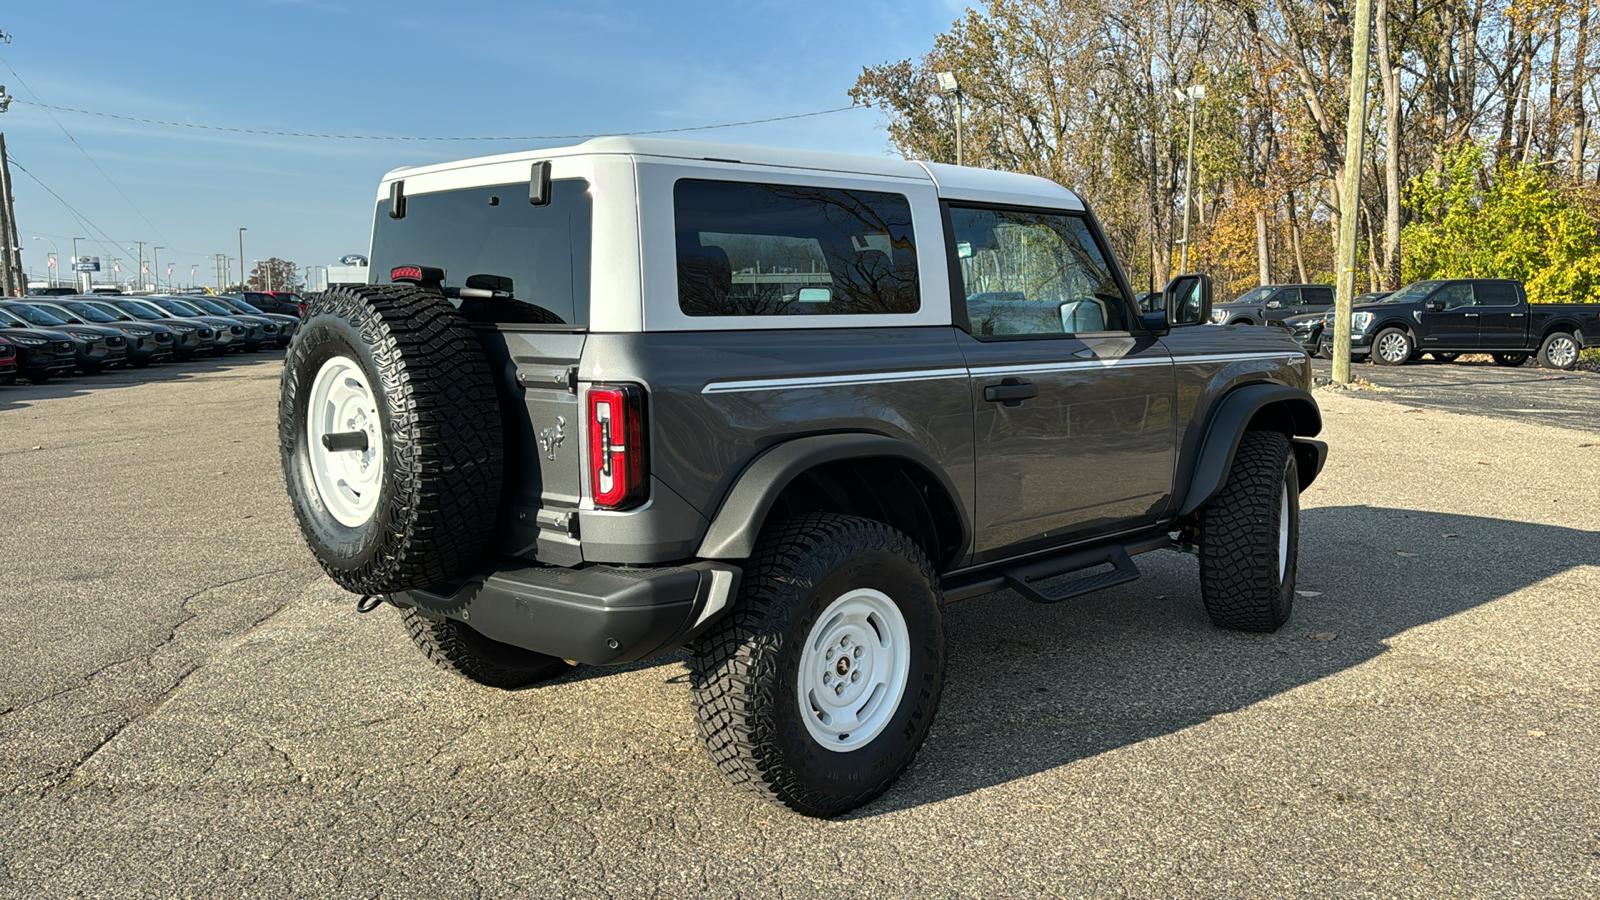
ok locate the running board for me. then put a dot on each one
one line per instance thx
(1021, 578)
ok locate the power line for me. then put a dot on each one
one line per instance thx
(392, 137)
(81, 219)
(80, 147)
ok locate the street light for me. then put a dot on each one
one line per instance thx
(241, 257)
(55, 270)
(949, 85)
(1192, 95)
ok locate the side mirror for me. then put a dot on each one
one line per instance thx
(1188, 300)
(1434, 305)
(1274, 304)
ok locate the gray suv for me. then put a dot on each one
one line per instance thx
(1271, 304)
(775, 408)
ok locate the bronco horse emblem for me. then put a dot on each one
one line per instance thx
(550, 438)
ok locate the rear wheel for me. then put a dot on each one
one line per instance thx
(1446, 357)
(1511, 360)
(1392, 347)
(457, 648)
(818, 688)
(1559, 351)
(1250, 537)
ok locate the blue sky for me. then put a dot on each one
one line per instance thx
(396, 68)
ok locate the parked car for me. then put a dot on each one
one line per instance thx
(98, 347)
(59, 291)
(191, 337)
(147, 341)
(8, 361)
(232, 334)
(286, 324)
(1271, 304)
(285, 303)
(260, 331)
(188, 337)
(612, 439)
(42, 353)
(1447, 318)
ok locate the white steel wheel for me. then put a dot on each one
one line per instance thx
(1283, 532)
(349, 481)
(853, 669)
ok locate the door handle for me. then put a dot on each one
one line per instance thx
(1517, 315)
(1470, 315)
(1011, 392)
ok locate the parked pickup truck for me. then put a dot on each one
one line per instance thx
(1270, 304)
(778, 408)
(1476, 315)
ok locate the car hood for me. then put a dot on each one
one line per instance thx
(46, 333)
(1380, 307)
(1304, 318)
(1235, 304)
(102, 330)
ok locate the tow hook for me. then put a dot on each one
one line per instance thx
(370, 602)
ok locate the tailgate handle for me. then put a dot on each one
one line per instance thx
(1011, 392)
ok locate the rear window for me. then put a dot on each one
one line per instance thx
(533, 260)
(786, 250)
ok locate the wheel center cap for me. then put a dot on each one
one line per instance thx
(842, 666)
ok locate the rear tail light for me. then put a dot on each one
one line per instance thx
(617, 464)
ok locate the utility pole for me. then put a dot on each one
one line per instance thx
(949, 85)
(1193, 94)
(140, 271)
(241, 257)
(156, 263)
(12, 280)
(1354, 134)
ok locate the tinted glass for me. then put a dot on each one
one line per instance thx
(141, 311)
(1495, 293)
(1414, 291)
(532, 262)
(1288, 297)
(1454, 295)
(1317, 296)
(784, 250)
(1259, 295)
(211, 306)
(35, 315)
(1035, 273)
(7, 318)
(91, 313)
(65, 315)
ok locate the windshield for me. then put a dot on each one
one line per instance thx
(8, 319)
(62, 313)
(1414, 291)
(211, 306)
(140, 310)
(1258, 295)
(177, 306)
(240, 305)
(111, 313)
(34, 315)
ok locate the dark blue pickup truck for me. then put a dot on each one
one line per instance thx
(1477, 315)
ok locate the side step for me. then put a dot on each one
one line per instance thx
(1021, 578)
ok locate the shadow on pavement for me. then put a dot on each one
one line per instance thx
(1031, 688)
(25, 393)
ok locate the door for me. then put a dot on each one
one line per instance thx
(1282, 305)
(1502, 316)
(1455, 327)
(1073, 405)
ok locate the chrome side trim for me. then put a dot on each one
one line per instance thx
(784, 384)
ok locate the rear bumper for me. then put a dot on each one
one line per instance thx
(596, 615)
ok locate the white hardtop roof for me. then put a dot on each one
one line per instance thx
(952, 182)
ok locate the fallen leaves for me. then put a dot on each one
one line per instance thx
(1322, 636)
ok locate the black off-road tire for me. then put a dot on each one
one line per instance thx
(439, 420)
(745, 670)
(456, 648)
(1245, 582)
(1559, 351)
(1510, 360)
(1445, 357)
(1378, 340)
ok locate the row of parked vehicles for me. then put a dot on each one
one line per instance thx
(1443, 318)
(44, 337)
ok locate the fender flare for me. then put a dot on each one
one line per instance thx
(1226, 426)
(744, 509)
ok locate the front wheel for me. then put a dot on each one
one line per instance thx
(1392, 347)
(1250, 537)
(1559, 351)
(1511, 360)
(818, 688)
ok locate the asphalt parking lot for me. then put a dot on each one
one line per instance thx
(190, 709)
(1476, 386)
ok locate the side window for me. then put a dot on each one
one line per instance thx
(1455, 295)
(1495, 293)
(1035, 273)
(787, 250)
(1318, 296)
(1285, 299)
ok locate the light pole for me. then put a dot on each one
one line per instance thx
(155, 253)
(949, 85)
(241, 257)
(1192, 94)
(55, 269)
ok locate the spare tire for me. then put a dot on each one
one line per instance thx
(389, 431)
